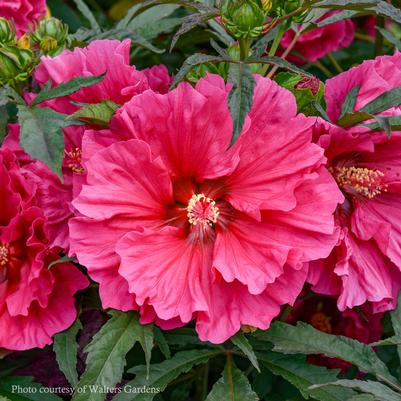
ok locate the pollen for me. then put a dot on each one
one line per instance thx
(202, 210)
(74, 159)
(4, 254)
(362, 181)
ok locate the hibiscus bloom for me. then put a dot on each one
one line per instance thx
(319, 42)
(36, 300)
(174, 220)
(24, 13)
(322, 313)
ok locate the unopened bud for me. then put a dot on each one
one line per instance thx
(266, 5)
(243, 18)
(16, 65)
(51, 35)
(7, 32)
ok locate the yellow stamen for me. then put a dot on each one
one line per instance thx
(363, 181)
(4, 254)
(74, 162)
(203, 210)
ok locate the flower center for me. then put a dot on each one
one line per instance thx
(4, 255)
(202, 210)
(362, 181)
(321, 322)
(74, 159)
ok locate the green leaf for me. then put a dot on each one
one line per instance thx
(346, 4)
(241, 96)
(321, 110)
(25, 389)
(152, 16)
(383, 102)
(161, 341)
(343, 15)
(302, 375)
(351, 119)
(259, 48)
(279, 62)
(106, 356)
(349, 102)
(3, 123)
(387, 10)
(191, 21)
(362, 397)
(191, 62)
(97, 113)
(378, 390)
(66, 88)
(163, 373)
(394, 340)
(64, 259)
(144, 334)
(66, 348)
(390, 37)
(243, 344)
(41, 134)
(304, 339)
(396, 322)
(232, 386)
(84, 9)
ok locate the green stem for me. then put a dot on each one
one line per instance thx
(282, 27)
(323, 68)
(244, 46)
(335, 63)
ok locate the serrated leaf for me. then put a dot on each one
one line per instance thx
(106, 356)
(66, 88)
(387, 10)
(259, 48)
(321, 110)
(378, 390)
(346, 4)
(351, 119)
(185, 3)
(161, 341)
(394, 340)
(279, 62)
(191, 62)
(41, 134)
(243, 344)
(144, 334)
(84, 9)
(383, 102)
(65, 347)
(28, 389)
(302, 375)
(232, 386)
(240, 97)
(305, 339)
(349, 102)
(163, 373)
(97, 113)
(396, 323)
(191, 21)
(341, 16)
(390, 37)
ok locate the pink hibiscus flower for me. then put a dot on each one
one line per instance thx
(321, 312)
(319, 42)
(365, 265)
(24, 13)
(174, 220)
(35, 301)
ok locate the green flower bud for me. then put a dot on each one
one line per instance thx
(243, 18)
(266, 5)
(51, 35)
(7, 32)
(16, 65)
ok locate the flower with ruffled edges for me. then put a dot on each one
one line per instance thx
(24, 13)
(36, 299)
(177, 223)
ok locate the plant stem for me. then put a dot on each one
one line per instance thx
(244, 46)
(365, 38)
(335, 63)
(323, 68)
(286, 53)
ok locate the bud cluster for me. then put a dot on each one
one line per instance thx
(16, 63)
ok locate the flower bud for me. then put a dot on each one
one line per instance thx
(51, 35)
(16, 64)
(266, 5)
(7, 32)
(243, 18)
